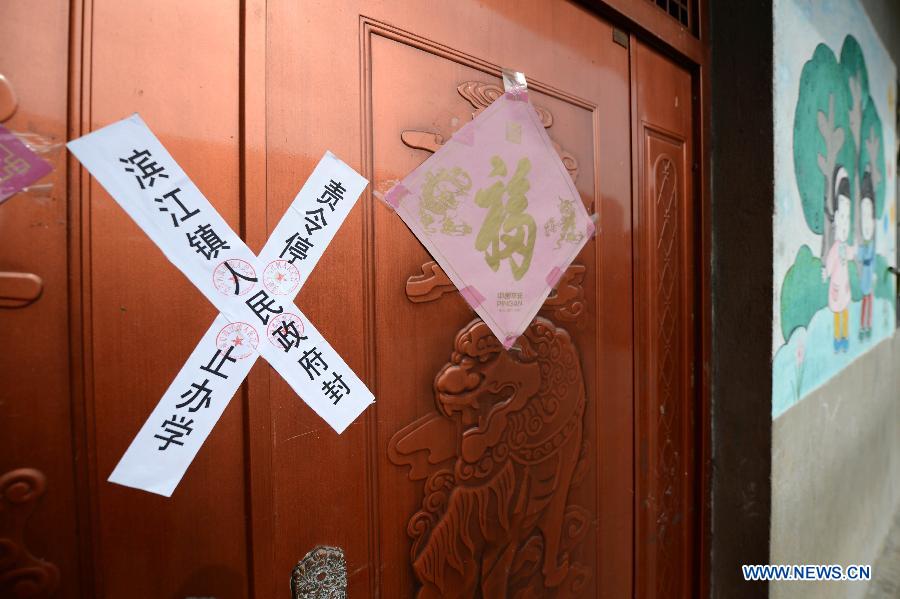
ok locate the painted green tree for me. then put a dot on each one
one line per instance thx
(803, 293)
(822, 140)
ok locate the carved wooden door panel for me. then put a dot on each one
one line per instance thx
(666, 477)
(478, 472)
(38, 535)
(94, 353)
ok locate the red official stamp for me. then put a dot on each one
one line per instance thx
(281, 277)
(234, 277)
(285, 331)
(239, 335)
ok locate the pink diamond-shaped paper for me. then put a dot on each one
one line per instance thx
(498, 210)
(19, 166)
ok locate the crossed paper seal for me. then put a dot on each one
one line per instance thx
(254, 295)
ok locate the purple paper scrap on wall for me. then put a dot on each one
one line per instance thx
(19, 166)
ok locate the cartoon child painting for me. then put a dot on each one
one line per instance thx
(836, 261)
(866, 253)
(841, 164)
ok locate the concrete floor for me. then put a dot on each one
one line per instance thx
(886, 569)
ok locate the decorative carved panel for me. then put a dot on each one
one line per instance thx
(566, 301)
(665, 192)
(430, 285)
(22, 575)
(480, 95)
(664, 509)
(458, 545)
(498, 457)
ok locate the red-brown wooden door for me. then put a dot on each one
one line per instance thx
(247, 96)
(666, 398)
(410, 77)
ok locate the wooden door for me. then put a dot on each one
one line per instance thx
(131, 319)
(588, 488)
(393, 82)
(666, 398)
(39, 499)
(145, 317)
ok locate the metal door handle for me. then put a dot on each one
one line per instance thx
(19, 289)
(321, 574)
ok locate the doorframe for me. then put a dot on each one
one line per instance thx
(741, 369)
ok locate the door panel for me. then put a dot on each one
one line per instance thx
(145, 317)
(419, 363)
(666, 476)
(38, 497)
(415, 77)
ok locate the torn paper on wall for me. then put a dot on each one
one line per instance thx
(19, 166)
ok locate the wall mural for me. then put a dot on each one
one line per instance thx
(835, 206)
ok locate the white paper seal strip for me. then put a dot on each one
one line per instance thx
(254, 295)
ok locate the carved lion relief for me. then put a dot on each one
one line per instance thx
(498, 457)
